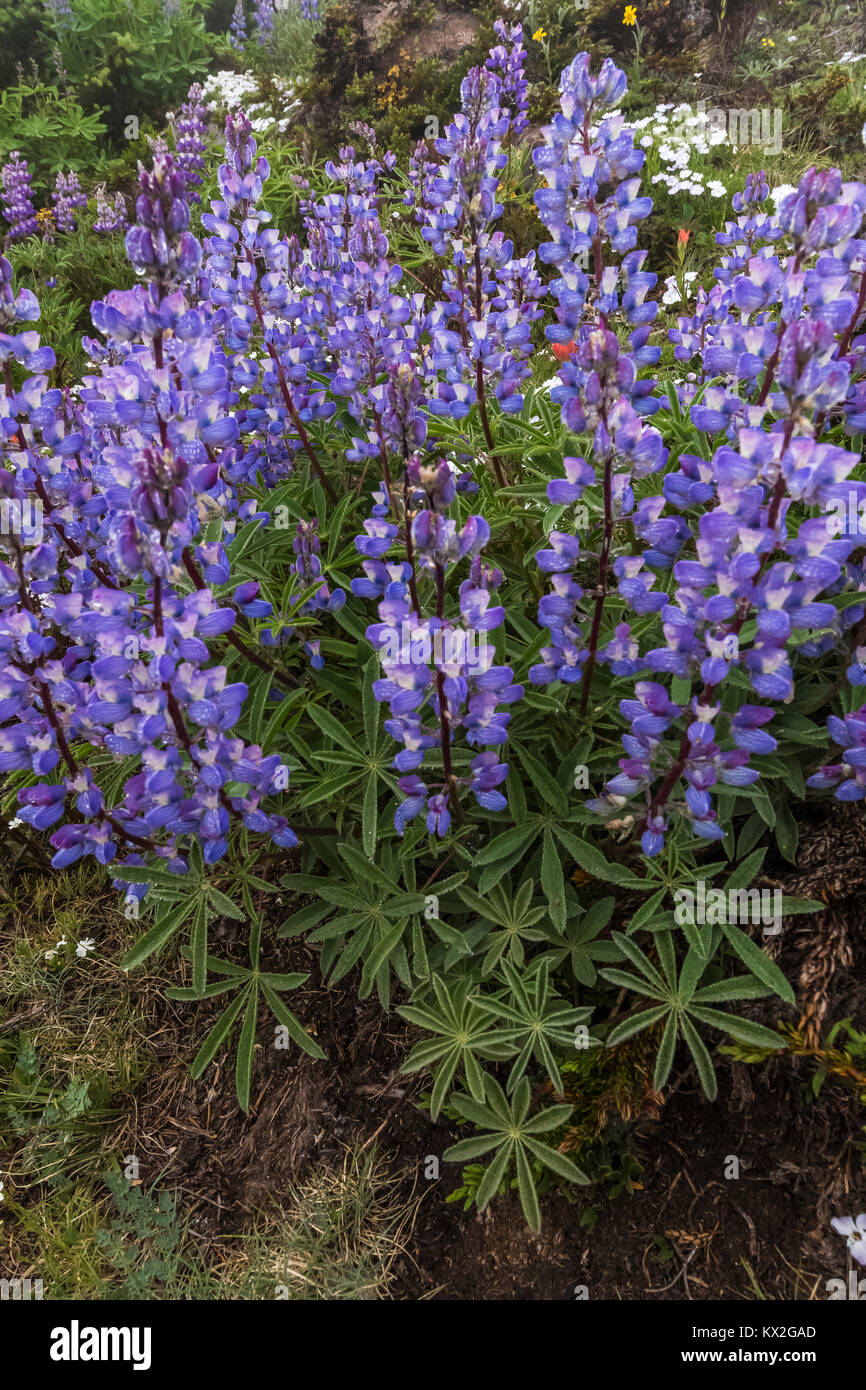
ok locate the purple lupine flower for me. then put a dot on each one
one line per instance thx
(848, 778)
(238, 26)
(191, 140)
(263, 16)
(308, 568)
(160, 244)
(774, 329)
(17, 198)
(61, 14)
(481, 327)
(436, 663)
(591, 205)
(68, 199)
(110, 217)
(508, 63)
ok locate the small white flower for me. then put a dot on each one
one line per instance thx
(716, 189)
(855, 1230)
(86, 944)
(672, 293)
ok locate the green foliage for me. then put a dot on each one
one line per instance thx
(683, 1002)
(56, 1125)
(291, 48)
(51, 129)
(463, 1038)
(199, 903)
(535, 1020)
(513, 1134)
(143, 1243)
(27, 35)
(67, 275)
(134, 60)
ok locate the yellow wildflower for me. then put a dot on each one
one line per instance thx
(539, 35)
(630, 16)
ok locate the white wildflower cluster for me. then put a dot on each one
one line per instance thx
(230, 90)
(675, 134)
(82, 950)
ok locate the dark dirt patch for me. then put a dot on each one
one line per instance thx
(302, 1111)
(797, 1170)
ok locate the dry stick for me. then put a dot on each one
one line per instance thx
(289, 403)
(479, 381)
(444, 724)
(410, 548)
(231, 636)
(601, 593)
(69, 758)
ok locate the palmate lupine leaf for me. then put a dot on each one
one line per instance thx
(251, 984)
(681, 1003)
(463, 1038)
(535, 1020)
(579, 947)
(512, 913)
(514, 1135)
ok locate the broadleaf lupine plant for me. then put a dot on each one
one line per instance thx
(783, 333)
(291, 463)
